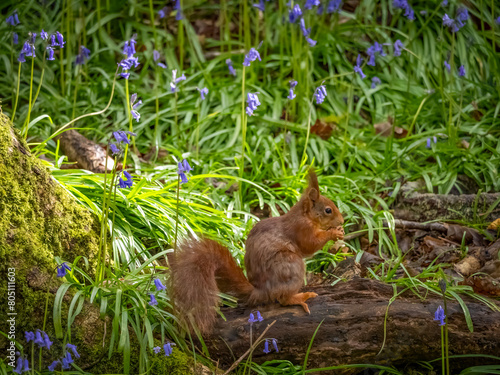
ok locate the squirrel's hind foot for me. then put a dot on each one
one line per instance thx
(299, 299)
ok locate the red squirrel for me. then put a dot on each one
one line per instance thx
(275, 249)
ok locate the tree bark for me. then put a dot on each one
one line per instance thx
(352, 331)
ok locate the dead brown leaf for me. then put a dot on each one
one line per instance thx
(323, 129)
(385, 129)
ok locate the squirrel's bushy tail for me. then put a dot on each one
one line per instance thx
(200, 269)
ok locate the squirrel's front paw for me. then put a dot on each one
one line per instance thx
(337, 233)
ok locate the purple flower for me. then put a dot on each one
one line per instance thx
(66, 361)
(311, 3)
(184, 167)
(29, 335)
(461, 17)
(498, 20)
(291, 94)
(22, 366)
(162, 12)
(129, 48)
(311, 42)
(447, 66)
(403, 4)
(168, 348)
(398, 46)
(125, 75)
(53, 365)
(47, 341)
(156, 349)
(73, 349)
(375, 82)
(373, 50)
(439, 315)
(13, 19)
(275, 344)
(266, 347)
(334, 6)
(62, 269)
(156, 57)
(203, 92)
(259, 317)
(253, 103)
(83, 56)
(357, 67)
(175, 81)
(28, 49)
(114, 150)
(121, 136)
(44, 35)
(153, 301)
(39, 340)
(51, 53)
(123, 184)
(21, 58)
(60, 40)
(133, 107)
(252, 55)
(321, 9)
(177, 7)
(261, 5)
(450, 23)
(461, 71)
(320, 94)
(252, 319)
(295, 13)
(159, 285)
(15, 38)
(428, 145)
(444, 3)
(302, 25)
(230, 67)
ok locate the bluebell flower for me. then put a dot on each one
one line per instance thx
(311, 42)
(447, 66)
(62, 269)
(15, 38)
(21, 58)
(66, 361)
(83, 56)
(168, 348)
(184, 166)
(230, 67)
(73, 349)
(162, 12)
(294, 13)
(44, 35)
(177, 7)
(372, 51)
(428, 145)
(311, 3)
(320, 94)
(121, 136)
(450, 23)
(50, 57)
(266, 347)
(461, 17)
(439, 315)
(275, 344)
(261, 5)
(22, 366)
(444, 3)
(334, 6)
(498, 20)
(203, 92)
(321, 9)
(29, 336)
(156, 349)
(39, 339)
(398, 46)
(253, 103)
(252, 319)
(28, 49)
(357, 67)
(114, 150)
(461, 71)
(159, 285)
(127, 183)
(403, 4)
(302, 25)
(259, 317)
(129, 48)
(156, 57)
(133, 107)
(60, 40)
(175, 81)
(53, 365)
(125, 75)
(291, 94)
(153, 301)
(375, 82)
(47, 341)
(13, 19)
(252, 55)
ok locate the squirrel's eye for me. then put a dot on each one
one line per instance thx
(328, 210)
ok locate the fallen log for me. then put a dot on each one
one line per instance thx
(352, 331)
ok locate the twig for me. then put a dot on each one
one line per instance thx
(233, 366)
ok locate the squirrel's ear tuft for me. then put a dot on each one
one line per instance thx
(313, 194)
(313, 180)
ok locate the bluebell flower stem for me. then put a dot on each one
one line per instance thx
(17, 92)
(25, 130)
(304, 154)
(285, 130)
(198, 132)
(446, 342)
(75, 94)
(243, 124)
(129, 124)
(114, 204)
(443, 362)
(177, 211)
(33, 358)
(175, 118)
(451, 134)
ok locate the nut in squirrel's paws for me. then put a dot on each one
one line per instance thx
(337, 233)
